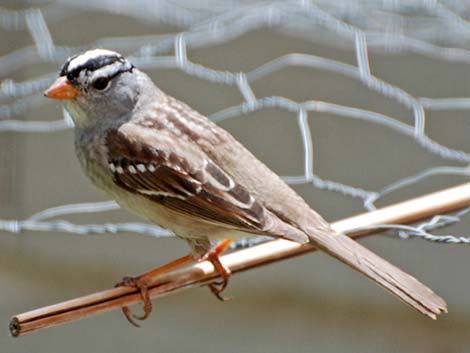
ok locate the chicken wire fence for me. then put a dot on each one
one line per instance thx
(431, 29)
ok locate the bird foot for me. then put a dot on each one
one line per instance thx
(219, 286)
(141, 283)
(142, 286)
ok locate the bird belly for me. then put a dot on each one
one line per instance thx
(181, 224)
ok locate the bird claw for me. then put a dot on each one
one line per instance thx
(127, 281)
(141, 285)
(217, 287)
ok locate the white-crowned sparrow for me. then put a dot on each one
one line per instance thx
(164, 161)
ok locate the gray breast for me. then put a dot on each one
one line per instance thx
(91, 154)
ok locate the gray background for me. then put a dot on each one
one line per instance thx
(306, 304)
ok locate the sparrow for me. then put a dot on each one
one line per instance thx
(165, 162)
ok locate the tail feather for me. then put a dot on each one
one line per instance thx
(405, 287)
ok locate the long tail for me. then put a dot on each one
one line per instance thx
(405, 287)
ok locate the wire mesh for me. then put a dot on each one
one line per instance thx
(438, 30)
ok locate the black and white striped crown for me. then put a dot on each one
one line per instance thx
(108, 62)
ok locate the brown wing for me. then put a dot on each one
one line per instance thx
(159, 159)
(177, 174)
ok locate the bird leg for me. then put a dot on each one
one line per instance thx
(213, 256)
(141, 283)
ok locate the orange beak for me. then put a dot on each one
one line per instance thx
(61, 89)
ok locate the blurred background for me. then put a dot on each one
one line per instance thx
(387, 95)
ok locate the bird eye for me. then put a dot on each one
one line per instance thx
(100, 83)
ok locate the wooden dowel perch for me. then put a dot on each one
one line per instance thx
(410, 211)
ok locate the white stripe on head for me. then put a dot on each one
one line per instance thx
(107, 71)
(88, 55)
